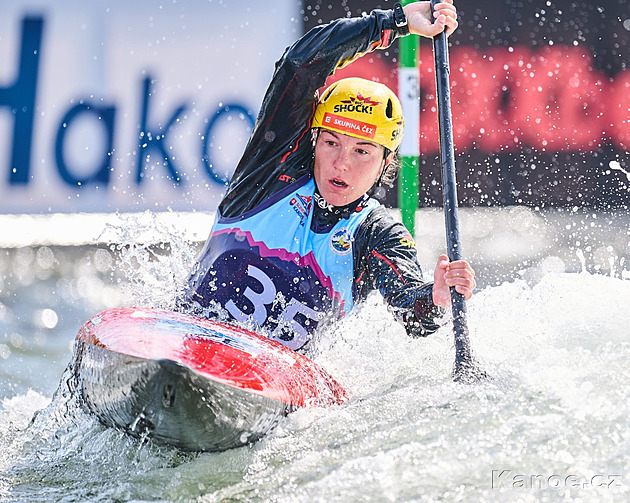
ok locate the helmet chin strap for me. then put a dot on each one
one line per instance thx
(314, 136)
(385, 166)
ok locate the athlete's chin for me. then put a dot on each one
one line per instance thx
(336, 198)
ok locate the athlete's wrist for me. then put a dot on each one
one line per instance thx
(400, 20)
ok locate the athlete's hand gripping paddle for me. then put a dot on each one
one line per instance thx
(465, 369)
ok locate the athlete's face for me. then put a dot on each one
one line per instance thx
(346, 167)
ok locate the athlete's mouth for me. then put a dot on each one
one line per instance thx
(338, 183)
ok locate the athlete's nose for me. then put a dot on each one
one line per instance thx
(342, 160)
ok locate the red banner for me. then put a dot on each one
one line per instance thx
(505, 99)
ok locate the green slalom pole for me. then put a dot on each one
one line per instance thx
(409, 152)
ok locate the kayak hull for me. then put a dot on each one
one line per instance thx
(189, 382)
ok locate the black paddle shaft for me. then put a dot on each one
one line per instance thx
(463, 359)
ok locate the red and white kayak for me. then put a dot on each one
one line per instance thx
(193, 383)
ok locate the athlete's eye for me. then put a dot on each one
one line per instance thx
(362, 151)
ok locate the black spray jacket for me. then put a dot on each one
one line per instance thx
(280, 151)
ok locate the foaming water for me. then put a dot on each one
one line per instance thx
(553, 416)
(551, 423)
(152, 272)
(64, 454)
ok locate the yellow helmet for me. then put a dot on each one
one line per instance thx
(362, 109)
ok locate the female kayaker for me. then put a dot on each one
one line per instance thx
(298, 241)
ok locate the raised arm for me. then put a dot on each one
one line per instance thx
(281, 132)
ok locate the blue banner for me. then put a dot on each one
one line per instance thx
(126, 106)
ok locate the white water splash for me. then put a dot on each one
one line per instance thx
(555, 345)
(556, 405)
(153, 256)
(614, 165)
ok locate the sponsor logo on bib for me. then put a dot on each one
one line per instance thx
(302, 206)
(341, 241)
